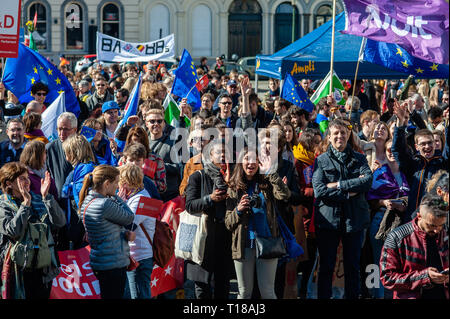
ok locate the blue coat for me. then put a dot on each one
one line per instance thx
(334, 208)
(74, 181)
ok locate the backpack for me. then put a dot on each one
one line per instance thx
(34, 250)
(163, 244)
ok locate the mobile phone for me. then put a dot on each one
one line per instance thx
(444, 272)
(397, 201)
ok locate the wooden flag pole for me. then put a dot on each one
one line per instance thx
(332, 47)
(356, 75)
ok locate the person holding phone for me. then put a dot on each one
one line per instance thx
(414, 258)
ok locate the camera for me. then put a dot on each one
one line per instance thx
(255, 201)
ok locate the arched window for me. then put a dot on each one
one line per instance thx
(40, 36)
(110, 20)
(74, 27)
(283, 25)
(201, 31)
(323, 14)
(159, 22)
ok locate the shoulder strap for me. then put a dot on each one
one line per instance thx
(84, 212)
(146, 234)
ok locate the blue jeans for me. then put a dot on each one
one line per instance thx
(327, 243)
(139, 280)
(377, 245)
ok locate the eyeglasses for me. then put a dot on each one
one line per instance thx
(155, 121)
(426, 143)
(100, 84)
(206, 101)
(41, 94)
(225, 103)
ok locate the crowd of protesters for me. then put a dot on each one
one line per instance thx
(366, 179)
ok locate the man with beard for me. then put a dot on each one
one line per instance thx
(414, 258)
(11, 148)
(100, 96)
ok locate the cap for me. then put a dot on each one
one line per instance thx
(110, 105)
(231, 82)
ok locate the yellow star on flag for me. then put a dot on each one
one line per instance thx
(434, 67)
(405, 64)
(399, 52)
(419, 70)
(58, 81)
(35, 70)
(49, 71)
(60, 91)
(33, 80)
(41, 67)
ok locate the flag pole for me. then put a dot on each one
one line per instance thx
(332, 47)
(356, 74)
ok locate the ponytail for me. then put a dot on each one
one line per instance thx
(87, 183)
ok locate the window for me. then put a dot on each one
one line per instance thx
(159, 22)
(110, 20)
(323, 14)
(201, 31)
(40, 35)
(74, 27)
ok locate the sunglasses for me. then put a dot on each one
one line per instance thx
(41, 94)
(155, 121)
(225, 103)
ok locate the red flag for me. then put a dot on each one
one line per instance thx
(384, 102)
(172, 275)
(35, 20)
(202, 83)
(76, 280)
(149, 207)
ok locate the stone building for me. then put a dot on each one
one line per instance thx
(204, 27)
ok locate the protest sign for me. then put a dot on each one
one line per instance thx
(9, 28)
(116, 50)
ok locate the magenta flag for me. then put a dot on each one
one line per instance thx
(421, 27)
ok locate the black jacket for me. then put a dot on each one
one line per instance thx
(334, 209)
(7, 155)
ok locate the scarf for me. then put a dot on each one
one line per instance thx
(341, 156)
(215, 174)
(303, 155)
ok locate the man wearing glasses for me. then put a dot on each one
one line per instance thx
(161, 144)
(420, 166)
(225, 114)
(100, 96)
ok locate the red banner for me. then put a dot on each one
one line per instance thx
(202, 83)
(172, 275)
(76, 279)
(9, 28)
(149, 207)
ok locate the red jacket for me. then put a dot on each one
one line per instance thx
(403, 260)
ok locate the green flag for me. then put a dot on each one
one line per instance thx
(172, 112)
(324, 89)
(32, 45)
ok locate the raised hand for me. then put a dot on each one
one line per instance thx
(21, 184)
(45, 184)
(246, 87)
(132, 120)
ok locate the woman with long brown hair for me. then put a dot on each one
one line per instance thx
(253, 188)
(105, 215)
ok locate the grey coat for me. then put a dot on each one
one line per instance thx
(334, 208)
(104, 220)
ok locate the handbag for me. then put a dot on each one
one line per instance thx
(191, 236)
(270, 247)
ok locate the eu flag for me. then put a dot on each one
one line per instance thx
(185, 80)
(31, 67)
(394, 57)
(88, 133)
(294, 93)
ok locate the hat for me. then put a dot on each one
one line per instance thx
(110, 105)
(231, 82)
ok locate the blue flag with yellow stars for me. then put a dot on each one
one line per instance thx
(185, 80)
(394, 57)
(30, 67)
(88, 133)
(294, 93)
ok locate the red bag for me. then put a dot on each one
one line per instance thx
(6, 275)
(149, 168)
(164, 243)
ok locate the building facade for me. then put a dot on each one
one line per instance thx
(204, 27)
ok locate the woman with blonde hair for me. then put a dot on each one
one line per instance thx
(131, 190)
(105, 215)
(129, 84)
(78, 153)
